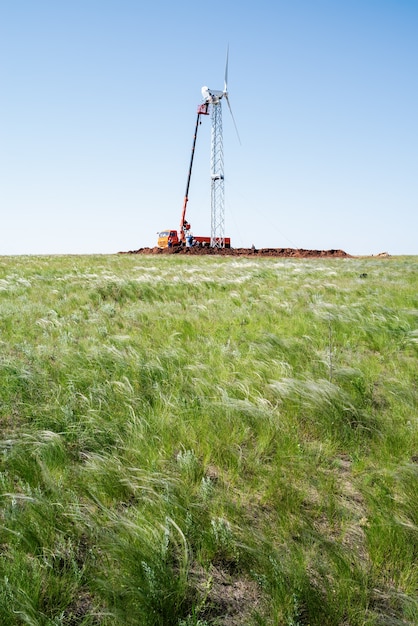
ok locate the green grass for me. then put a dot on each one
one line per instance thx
(208, 441)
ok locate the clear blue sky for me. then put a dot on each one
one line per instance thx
(97, 110)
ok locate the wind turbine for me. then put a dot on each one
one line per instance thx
(214, 98)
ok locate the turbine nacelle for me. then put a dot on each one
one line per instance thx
(212, 96)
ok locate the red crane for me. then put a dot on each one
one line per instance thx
(173, 238)
(202, 109)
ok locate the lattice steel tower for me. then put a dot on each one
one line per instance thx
(214, 98)
(217, 186)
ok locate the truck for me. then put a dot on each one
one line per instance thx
(170, 239)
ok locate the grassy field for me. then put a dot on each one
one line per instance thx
(208, 441)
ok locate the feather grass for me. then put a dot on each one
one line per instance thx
(208, 441)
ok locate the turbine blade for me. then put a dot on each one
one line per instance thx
(232, 115)
(226, 71)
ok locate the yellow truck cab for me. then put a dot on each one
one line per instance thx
(164, 238)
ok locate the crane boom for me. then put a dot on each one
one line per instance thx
(202, 109)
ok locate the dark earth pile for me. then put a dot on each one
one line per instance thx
(265, 252)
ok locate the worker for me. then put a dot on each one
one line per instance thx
(189, 240)
(170, 242)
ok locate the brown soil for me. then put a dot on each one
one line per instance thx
(248, 252)
(227, 600)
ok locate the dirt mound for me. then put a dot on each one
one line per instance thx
(265, 252)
